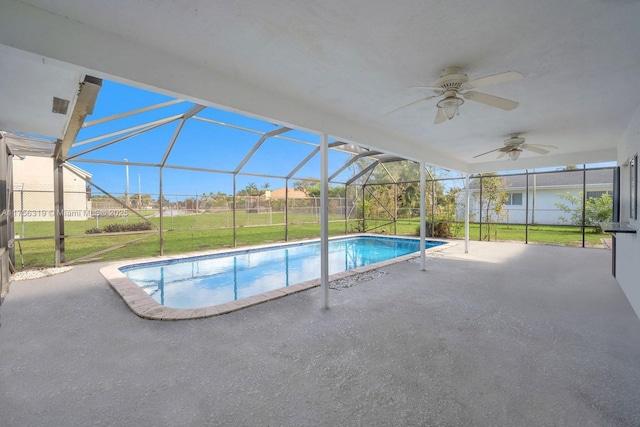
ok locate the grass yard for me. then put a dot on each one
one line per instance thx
(551, 234)
(182, 234)
(191, 233)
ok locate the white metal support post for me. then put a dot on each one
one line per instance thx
(466, 213)
(58, 211)
(126, 167)
(161, 210)
(324, 219)
(423, 225)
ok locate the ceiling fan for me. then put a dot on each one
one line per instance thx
(452, 84)
(514, 145)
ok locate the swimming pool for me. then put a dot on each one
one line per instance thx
(253, 275)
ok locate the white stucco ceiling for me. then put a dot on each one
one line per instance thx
(339, 66)
(28, 85)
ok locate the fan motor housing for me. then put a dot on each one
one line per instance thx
(514, 140)
(451, 79)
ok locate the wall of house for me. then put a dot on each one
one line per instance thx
(33, 191)
(628, 245)
(6, 223)
(546, 209)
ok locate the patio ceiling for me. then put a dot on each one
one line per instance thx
(339, 67)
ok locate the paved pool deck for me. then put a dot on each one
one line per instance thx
(509, 334)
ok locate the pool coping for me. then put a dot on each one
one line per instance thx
(143, 305)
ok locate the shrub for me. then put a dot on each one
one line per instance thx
(440, 230)
(94, 230)
(119, 228)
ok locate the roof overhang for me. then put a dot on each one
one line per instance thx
(318, 68)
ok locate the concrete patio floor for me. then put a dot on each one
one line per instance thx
(509, 334)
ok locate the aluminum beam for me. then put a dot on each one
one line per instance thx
(258, 144)
(122, 138)
(466, 213)
(383, 159)
(131, 129)
(186, 116)
(324, 220)
(310, 156)
(87, 96)
(351, 161)
(423, 225)
(131, 113)
(58, 210)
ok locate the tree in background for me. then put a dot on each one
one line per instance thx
(597, 210)
(494, 197)
(448, 212)
(312, 188)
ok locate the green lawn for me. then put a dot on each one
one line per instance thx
(551, 234)
(189, 233)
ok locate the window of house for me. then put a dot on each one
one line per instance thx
(596, 194)
(514, 199)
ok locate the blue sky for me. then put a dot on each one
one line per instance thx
(200, 144)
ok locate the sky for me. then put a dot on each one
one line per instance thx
(200, 144)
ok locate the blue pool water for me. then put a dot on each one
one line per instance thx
(216, 279)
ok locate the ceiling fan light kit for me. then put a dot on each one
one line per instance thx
(514, 154)
(515, 145)
(450, 104)
(454, 87)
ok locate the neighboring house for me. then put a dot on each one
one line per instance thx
(33, 191)
(546, 191)
(280, 193)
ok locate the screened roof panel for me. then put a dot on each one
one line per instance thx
(212, 139)
(147, 147)
(116, 100)
(211, 146)
(277, 157)
(177, 182)
(235, 119)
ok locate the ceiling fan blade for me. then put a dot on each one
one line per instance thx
(534, 148)
(410, 104)
(491, 100)
(494, 79)
(497, 149)
(553, 147)
(433, 88)
(440, 117)
(501, 155)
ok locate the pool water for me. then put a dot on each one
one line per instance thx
(217, 279)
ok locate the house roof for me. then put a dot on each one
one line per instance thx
(567, 178)
(280, 193)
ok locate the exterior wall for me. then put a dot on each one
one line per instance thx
(628, 245)
(546, 211)
(545, 200)
(280, 194)
(33, 192)
(6, 223)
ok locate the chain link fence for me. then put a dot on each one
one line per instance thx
(561, 207)
(564, 207)
(104, 226)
